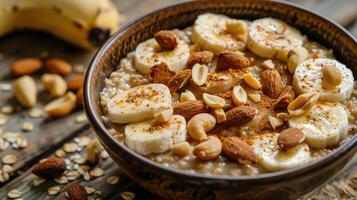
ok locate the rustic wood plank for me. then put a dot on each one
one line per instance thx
(24, 183)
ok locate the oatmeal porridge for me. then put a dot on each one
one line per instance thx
(231, 97)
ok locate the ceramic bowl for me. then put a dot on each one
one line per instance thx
(171, 183)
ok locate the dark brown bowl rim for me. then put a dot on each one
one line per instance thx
(101, 129)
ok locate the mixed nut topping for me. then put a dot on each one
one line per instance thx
(237, 97)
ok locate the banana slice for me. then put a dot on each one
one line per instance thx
(272, 38)
(217, 33)
(324, 125)
(149, 53)
(308, 78)
(138, 103)
(273, 158)
(146, 138)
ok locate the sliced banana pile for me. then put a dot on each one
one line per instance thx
(274, 158)
(217, 33)
(149, 53)
(139, 103)
(219, 87)
(331, 78)
(272, 38)
(325, 125)
(146, 138)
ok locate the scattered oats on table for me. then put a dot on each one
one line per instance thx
(53, 190)
(36, 112)
(7, 109)
(4, 118)
(9, 159)
(27, 126)
(97, 172)
(14, 193)
(127, 195)
(112, 180)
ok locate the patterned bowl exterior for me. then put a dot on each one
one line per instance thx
(174, 184)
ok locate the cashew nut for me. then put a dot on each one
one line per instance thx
(199, 125)
(209, 149)
(55, 84)
(61, 106)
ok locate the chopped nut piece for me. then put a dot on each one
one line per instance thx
(4, 176)
(268, 64)
(199, 74)
(182, 149)
(163, 115)
(239, 96)
(179, 80)
(220, 115)
(255, 97)
(213, 101)
(161, 73)
(275, 122)
(93, 150)
(303, 103)
(331, 77)
(187, 96)
(251, 81)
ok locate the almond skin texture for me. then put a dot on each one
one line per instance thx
(25, 66)
(188, 109)
(236, 149)
(161, 73)
(240, 115)
(179, 80)
(271, 82)
(166, 39)
(201, 57)
(79, 97)
(50, 169)
(286, 96)
(233, 60)
(58, 66)
(290, 137)
(75, 82)
(76, 192)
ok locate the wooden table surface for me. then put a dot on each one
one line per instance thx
(49, 135)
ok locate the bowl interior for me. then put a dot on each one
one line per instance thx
(182, 15)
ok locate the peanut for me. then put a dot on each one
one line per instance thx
(61, 106)
(25, 91)
(54, 83)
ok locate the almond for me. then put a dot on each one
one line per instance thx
(286, 96)
(237, 149)
(76, 192)
(240, 115)
(201, 57)
(233, 60)
(58, 66)
(179, 80)
(50, 168)
(290, 137)
(25, 66)
(271, 82)
(188, 109)
(166, 39)
(79, 97)
(161, 73)
(75, 82)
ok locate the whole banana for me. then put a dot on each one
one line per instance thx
(85, 23)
